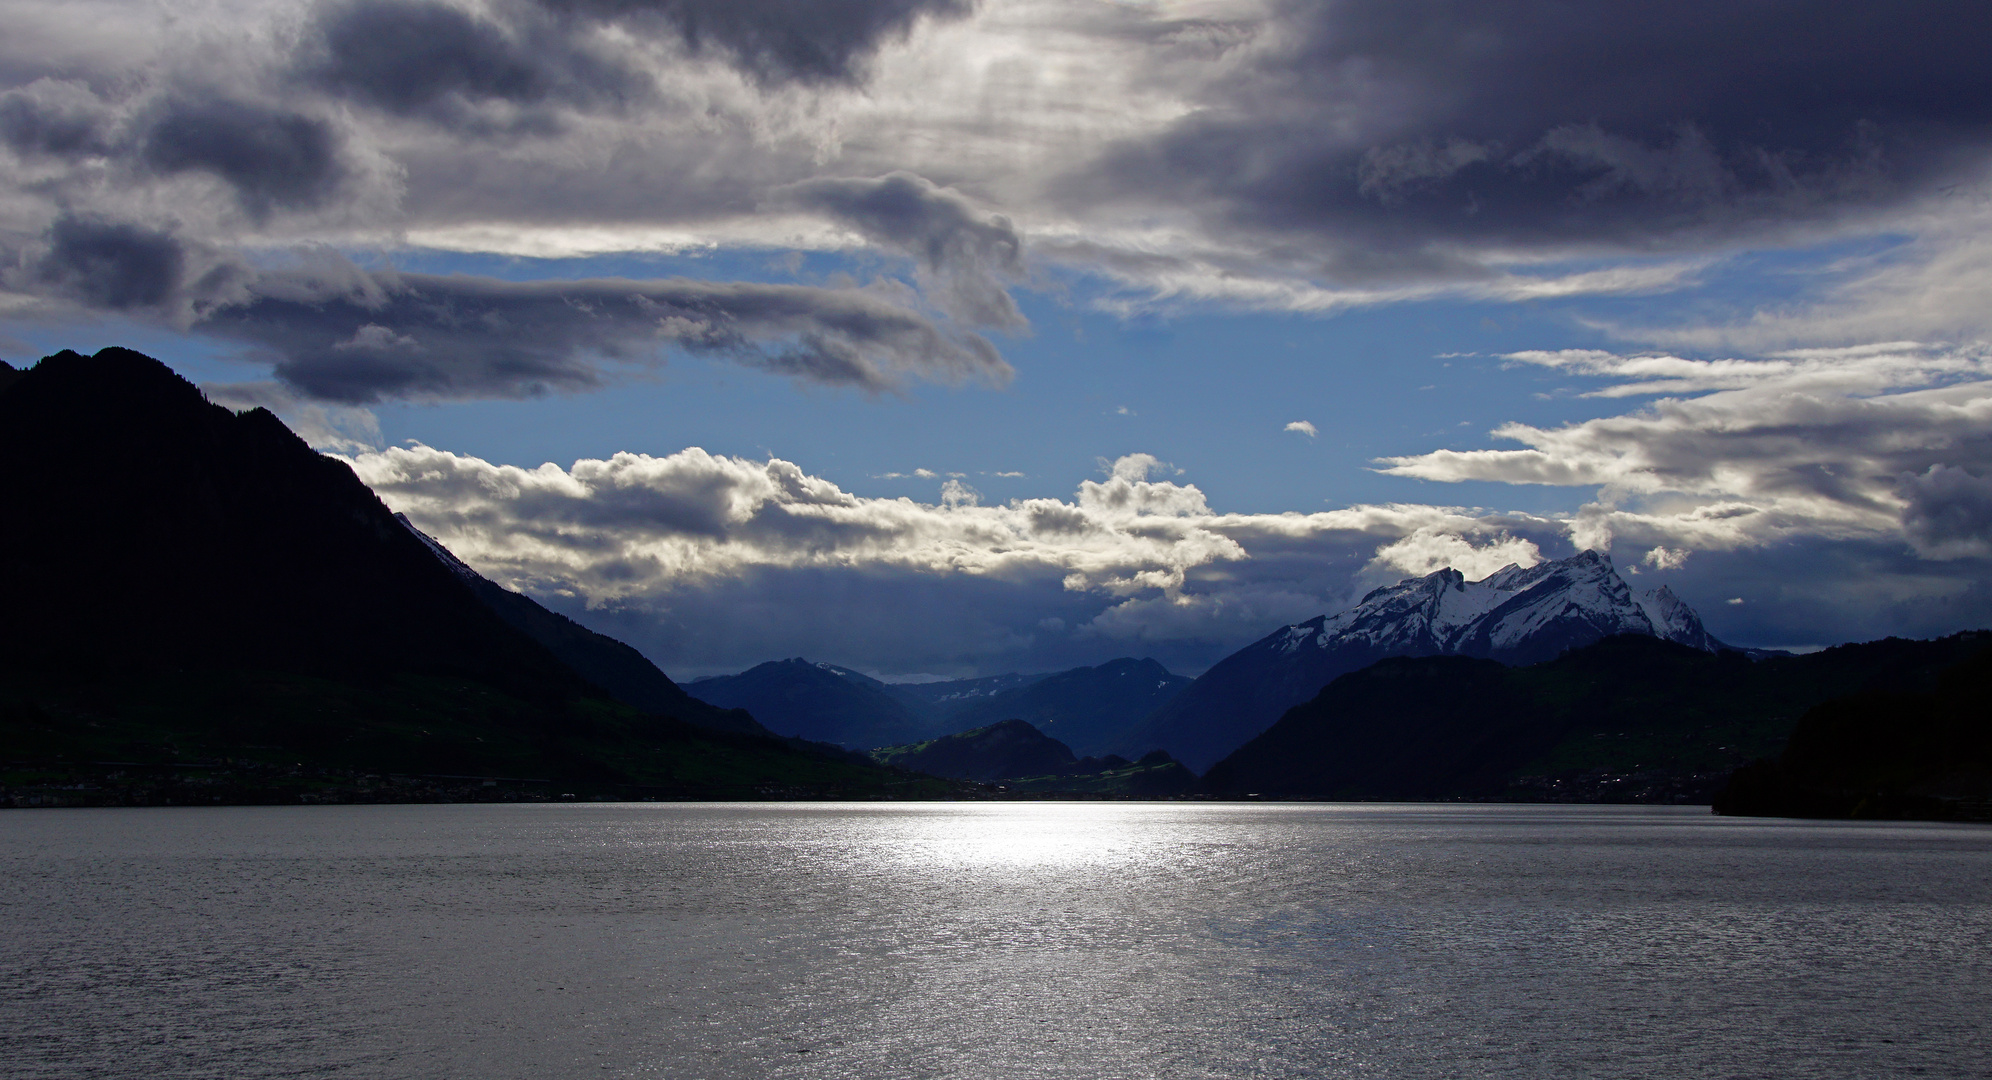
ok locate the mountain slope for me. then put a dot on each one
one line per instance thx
(1884, 753)
(206, 589)
(1090, 709)
(817, 702)
(168, 530)
(1027, 760)
(1514, 616)
(997, 752)
(952, 694)
(626, 674)
(1628, 718)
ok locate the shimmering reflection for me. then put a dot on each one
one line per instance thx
(989, 940)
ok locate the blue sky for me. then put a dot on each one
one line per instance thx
(990, 319)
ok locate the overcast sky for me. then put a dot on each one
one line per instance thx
(946, 337)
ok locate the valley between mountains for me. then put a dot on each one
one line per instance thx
(208, 611)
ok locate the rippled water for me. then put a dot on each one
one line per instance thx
(989, 940)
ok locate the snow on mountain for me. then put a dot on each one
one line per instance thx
(1517, 615)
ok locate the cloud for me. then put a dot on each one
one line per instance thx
(1154, 156)
(345, 335)
(1663, 558)
(1125, 560)
(1429, 549)
(56, 117)
(273, 158)
(1304, 427)
(775, 40)
(963, 253)
(425, 58)
(1948, 513)
(954, 494)
(1439, 123)
(1871, 443)
(388, 335)
(109, 264)
(1859, 369)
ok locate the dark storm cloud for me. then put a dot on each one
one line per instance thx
(1949, 512)
(54, 117)
(423, 57)
(961, 249)
(375, 337)
(809, 41)
(273, 158)
(1532, 121)
(114, 265)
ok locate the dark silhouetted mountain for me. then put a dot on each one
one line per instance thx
(1024, 759)
(1628, 718)
(988, 754)
(189, 581)
(8, 374)
(1514, 616)
(1905, 754)
(1095, 705)
(167, 530)
(626, 674)
(819, 702)
(1155, 776)
(1090, 709)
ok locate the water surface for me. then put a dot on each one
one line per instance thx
(989, 940)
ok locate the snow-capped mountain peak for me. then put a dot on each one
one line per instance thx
(1516, 613)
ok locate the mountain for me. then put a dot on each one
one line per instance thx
(626, 674)
(1882, 754)
(1090, 709)
(1514, 616)
(196, 589)
(996, 752)
(820, 702)
(1025, 759)
(951, 694)
(1628, 718)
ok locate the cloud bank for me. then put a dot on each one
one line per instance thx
(1127, 563)
(1295, 154)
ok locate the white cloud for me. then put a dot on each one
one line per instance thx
(1304, 427)
(1138, 560)
(1663, 558)
(1808, 443)
(1429, 549)
(955, 494)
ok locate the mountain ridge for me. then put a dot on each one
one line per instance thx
(209, 593)
(1516, 615)
(1627, 718)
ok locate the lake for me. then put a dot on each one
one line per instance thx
(1084, 940)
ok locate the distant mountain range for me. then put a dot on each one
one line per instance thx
(208, 592)
(821, 702)
(1091, 709)
(1514, 616)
